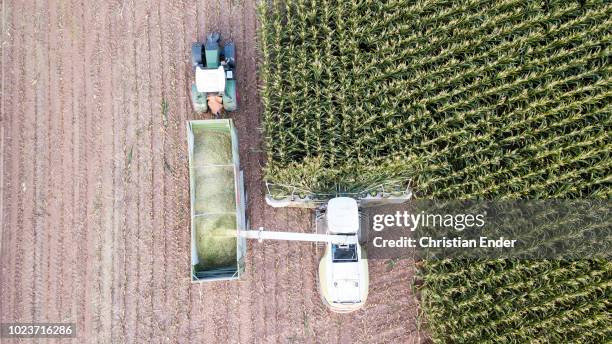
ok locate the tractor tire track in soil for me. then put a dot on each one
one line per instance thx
(95, 190)
(29, 174)
(115, 27)
(10, 157)
(51, 264)
(67, 218)
(91, 154)
(142, 156)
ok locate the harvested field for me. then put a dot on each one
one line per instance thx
(95, 192)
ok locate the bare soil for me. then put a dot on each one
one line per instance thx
(95, 205)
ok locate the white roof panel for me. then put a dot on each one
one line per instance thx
(210, 80)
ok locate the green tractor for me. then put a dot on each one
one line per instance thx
(215, 86)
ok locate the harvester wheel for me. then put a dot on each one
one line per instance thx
(196, 54)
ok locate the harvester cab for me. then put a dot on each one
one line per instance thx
(215, 84)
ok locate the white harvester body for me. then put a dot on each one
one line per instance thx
(343, 269)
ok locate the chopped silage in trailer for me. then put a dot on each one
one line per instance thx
(216, 215)
(212, 146)
(214, 189)
(216, 240)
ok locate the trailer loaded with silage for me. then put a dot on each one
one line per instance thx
(217, 200)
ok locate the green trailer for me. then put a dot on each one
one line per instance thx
(217, 201)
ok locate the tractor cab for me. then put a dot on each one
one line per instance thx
(214, 87)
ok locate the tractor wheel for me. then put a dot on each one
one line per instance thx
(196, 54)
(230, 101)
(229, 54)
(198, 100)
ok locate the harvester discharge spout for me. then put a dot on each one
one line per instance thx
(262, 234)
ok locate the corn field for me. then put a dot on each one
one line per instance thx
(512, 301)
(472, 99)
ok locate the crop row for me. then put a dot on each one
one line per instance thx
(448, 99)
(480, 99)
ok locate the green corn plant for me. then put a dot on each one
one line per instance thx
(470, 99)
